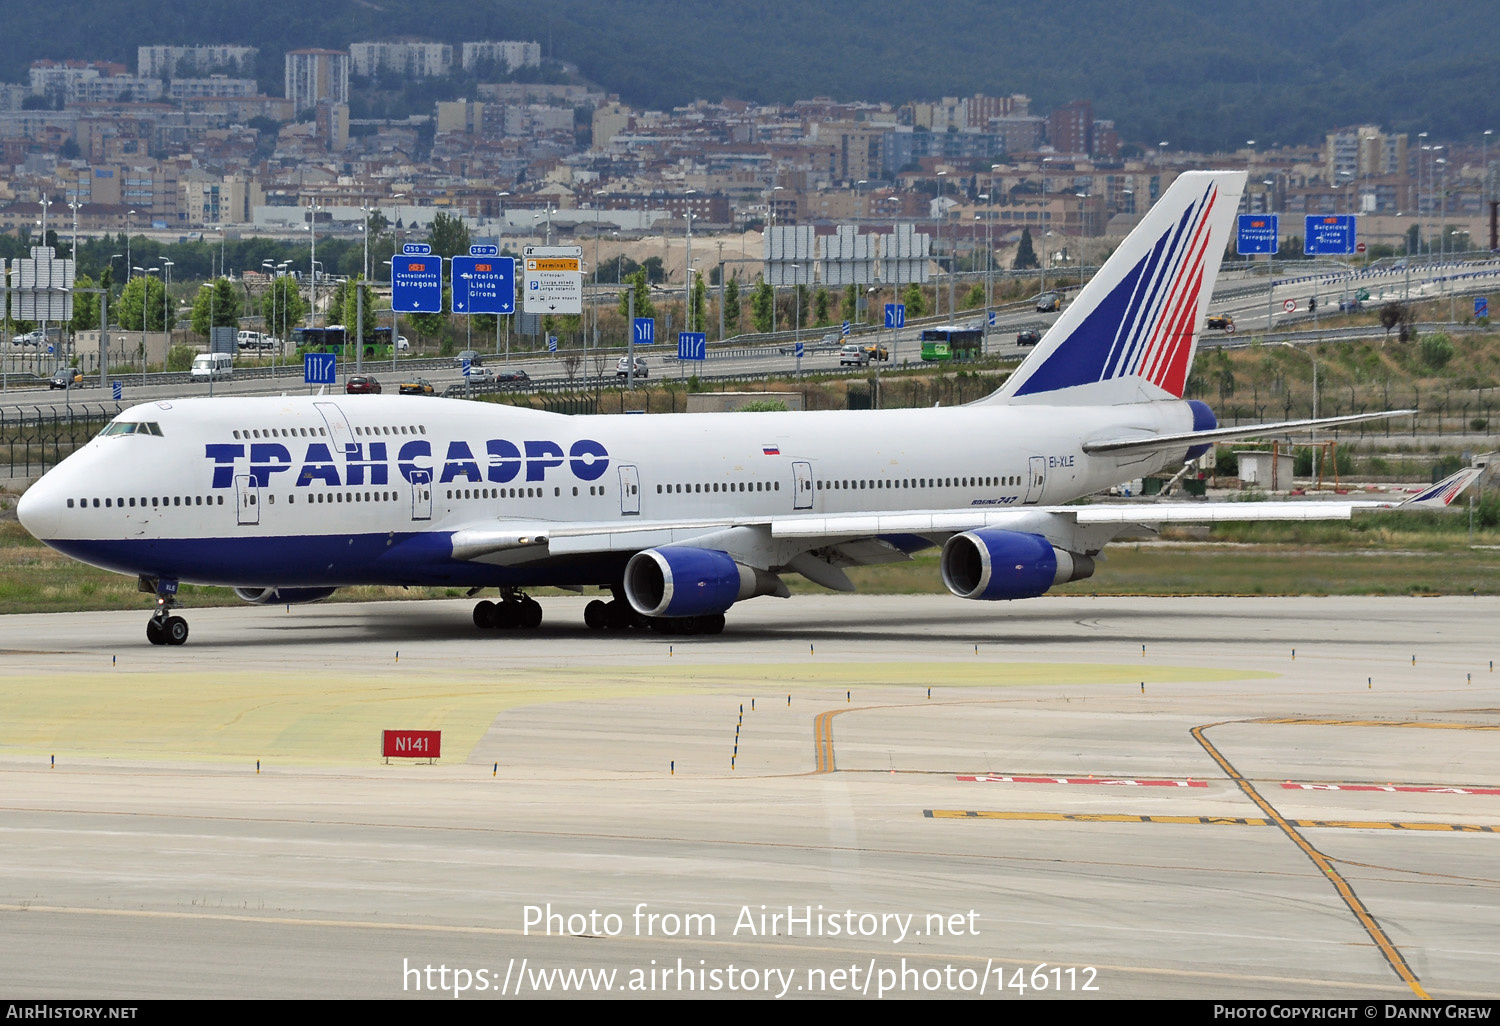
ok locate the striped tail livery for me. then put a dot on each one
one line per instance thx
(1131, 334)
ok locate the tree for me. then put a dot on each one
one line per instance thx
(281, 305)
(85, 306)
(762, 304)
(221, 303)
(643, 306)
(1436, 350)
(1025, 254)
(150, 292)
(700, 301)
(431, 325)
(974, 297)
(1390, 316)
(915, 306)
(448, 236)
(850, 305)
(344, 307)
(732, 306)
(820, 307)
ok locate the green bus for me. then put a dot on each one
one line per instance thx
(950, 343)
(335, 339)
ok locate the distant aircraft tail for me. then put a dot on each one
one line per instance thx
(1445, 491)
(1131, 334)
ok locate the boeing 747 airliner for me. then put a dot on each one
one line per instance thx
(679, 516)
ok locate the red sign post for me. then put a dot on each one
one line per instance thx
(411, 744)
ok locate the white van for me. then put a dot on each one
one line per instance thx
(212, 366)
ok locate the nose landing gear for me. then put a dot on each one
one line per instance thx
(163, 628)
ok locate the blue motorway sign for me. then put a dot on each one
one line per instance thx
(417, 284)
(416, 248)
(800, 349)
(692, 345)
(1258, 234)
(645, 331)
(119, 390)
(895, 315)
(320, 369)
(1329, 234)
(992, 318)
(468, 366)
(1481, 309)
(484, 284)
(845, 330)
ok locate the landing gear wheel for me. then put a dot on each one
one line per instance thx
(154, 632)
(711, 624)
(617, 615)
(484, 614)
(530, 614)
(595, 614)
(175, 630)
(507, 615)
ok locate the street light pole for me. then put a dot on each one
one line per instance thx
(687, 267)
(211, 297)
(937, 293)
(312, 264)
(145, 309)
(166, 290)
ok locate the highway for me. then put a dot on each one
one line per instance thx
(1238, 294)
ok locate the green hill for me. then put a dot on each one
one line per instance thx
(1202, 76)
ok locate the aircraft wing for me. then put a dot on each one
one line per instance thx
(526, 540)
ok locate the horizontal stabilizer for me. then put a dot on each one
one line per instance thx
(1153, 443)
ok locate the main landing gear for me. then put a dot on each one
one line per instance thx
(617, 615)
(514, 610)
(164, 628)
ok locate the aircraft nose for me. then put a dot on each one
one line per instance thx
(40, 510)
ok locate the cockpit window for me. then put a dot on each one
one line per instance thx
(121, 427)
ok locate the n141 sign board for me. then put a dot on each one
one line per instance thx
(554, 279)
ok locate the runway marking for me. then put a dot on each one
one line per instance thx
(1102, 781)
(1392, 954)
(1113, 817)
(1418, 724)
(823, 741)
(1403, 788)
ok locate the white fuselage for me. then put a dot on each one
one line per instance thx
(370, 489)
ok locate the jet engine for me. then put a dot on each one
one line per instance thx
(682, 581)
(993, 564)
(282, 596)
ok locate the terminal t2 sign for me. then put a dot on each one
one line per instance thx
(554, 279)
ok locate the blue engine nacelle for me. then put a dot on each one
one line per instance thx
(994, 564)
(682, 581)
(282, 596)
